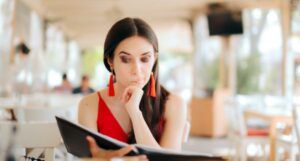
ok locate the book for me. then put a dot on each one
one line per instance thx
(74, 138)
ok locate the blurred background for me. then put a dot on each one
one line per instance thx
(231, 61)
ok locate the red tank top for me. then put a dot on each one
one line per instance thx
(107, 123)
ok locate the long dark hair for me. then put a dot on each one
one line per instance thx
(151, 108)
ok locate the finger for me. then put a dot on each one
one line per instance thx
(126, 94)
(138, 93)
(139, 85)
(123, 151)
(93, 146)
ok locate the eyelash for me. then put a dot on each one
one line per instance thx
(124, 59)
(127, 60)
(145, 59)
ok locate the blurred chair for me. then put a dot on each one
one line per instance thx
(288, 140)
(240, 135)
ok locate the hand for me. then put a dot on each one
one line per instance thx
(100, 153)
(131, 98)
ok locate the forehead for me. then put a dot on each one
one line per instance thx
(134, 45)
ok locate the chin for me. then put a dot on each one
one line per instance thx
(141, 85)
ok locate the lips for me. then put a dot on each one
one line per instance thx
(137, 82)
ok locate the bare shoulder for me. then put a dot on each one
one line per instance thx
(88, 106)
(88, 111)
(175, 105)
(89, 101)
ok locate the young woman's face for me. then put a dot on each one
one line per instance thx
(133, 61)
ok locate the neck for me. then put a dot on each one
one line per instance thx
(119, 90)
(116, 100)
(84, 88)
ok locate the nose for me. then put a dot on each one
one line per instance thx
(136, 68)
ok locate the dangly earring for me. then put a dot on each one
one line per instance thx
(151, 89)
(111, 89)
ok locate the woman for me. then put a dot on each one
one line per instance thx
(134, 108)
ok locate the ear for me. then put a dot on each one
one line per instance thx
(110, 62)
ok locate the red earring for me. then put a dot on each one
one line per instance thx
(111, 90)
(151, 90)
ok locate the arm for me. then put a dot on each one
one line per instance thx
(87, 112)
(142, 132)
(175, 115)
(131, 99)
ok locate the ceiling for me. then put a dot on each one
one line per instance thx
(87, 21)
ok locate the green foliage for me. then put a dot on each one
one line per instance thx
(175, 54)
(272, 84)
(91, 58)
(248, 71)
(212, 73)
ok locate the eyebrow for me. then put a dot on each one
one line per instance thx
(126, 53)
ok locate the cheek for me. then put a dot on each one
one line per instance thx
(122, 73)
(147, 71)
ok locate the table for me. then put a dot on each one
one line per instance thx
(36, 106)
(127, 158)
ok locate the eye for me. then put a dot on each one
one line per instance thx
(125, 59)
(145, 59)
